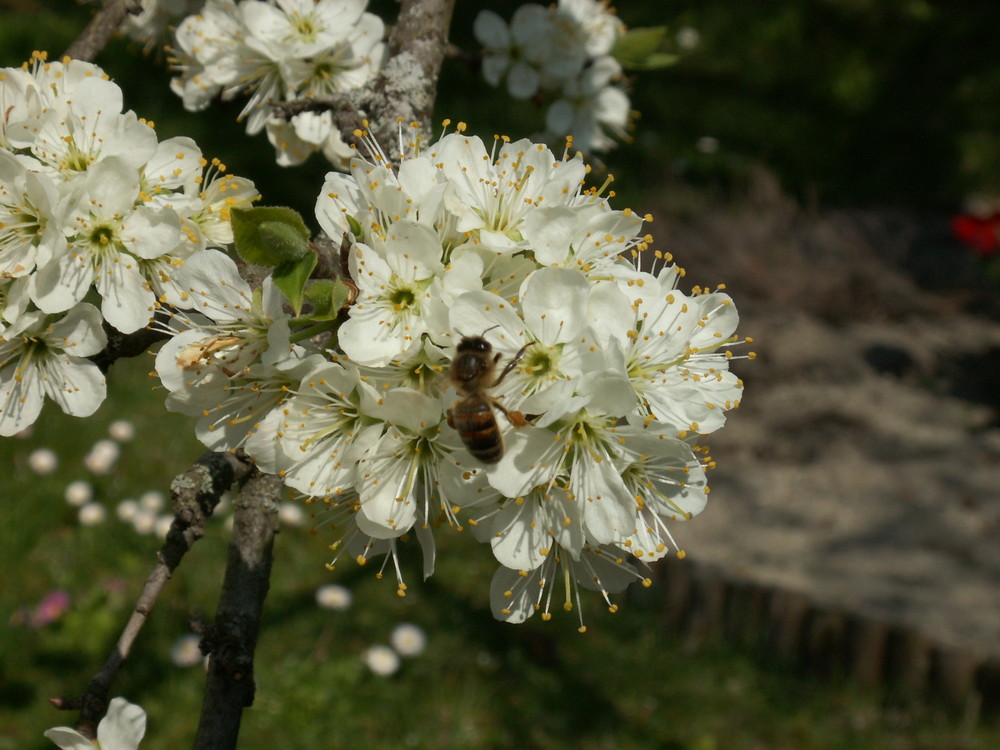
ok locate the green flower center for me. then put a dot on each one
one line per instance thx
(305, 29)
(538, 362)
(402, 298)
(101, 237)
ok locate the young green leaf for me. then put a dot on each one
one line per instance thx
(291, 277)
(269, 235)
(639, 49)
(327, 298)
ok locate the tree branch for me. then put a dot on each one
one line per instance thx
(406, 88)
(346, 109)
(231, 641)
(195, 495)
(101, 28)
(404, 91)
(129, 344)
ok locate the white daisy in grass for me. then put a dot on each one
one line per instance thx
(408, 640)
(44, 356)
(335, 597)
(43, 461)
(92, 514)
(78, 492)
(185, 651)
(381, 660)
(102, 457)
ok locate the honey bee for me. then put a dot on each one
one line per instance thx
(472, 415)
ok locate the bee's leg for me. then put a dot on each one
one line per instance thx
(451, 420)
(510, 365)
(515, 417)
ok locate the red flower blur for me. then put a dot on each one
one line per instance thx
(981, 233)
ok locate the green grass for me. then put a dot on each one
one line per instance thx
(480, 684)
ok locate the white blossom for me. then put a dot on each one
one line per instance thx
(561, 55)
(277, 51)
(92, 206)
(598, 378)
(122, 728)
(45, 357)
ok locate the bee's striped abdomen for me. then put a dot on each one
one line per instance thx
(476, 424)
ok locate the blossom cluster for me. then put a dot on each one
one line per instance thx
(277, 51)
(600, 374)
(561, 53)
(93, 207)
(155, 19)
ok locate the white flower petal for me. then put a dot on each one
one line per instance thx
(491, 30)
(554, 301)
(127, 302)
(69, 739)
(513, 596)
(123, 726)
(520, 535)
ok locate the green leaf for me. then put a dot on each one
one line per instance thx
(269, 235)
(656, 61)
(291, 277)
(640, 49)
(327, 298)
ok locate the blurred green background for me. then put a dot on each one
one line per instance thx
(847, 102)
(891, 102)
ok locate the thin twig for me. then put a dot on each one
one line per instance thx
(130, 344)
(346, 108)
(195, 495)
(230, 642)
(101, 28)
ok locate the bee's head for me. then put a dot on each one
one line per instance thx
(473, 344)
